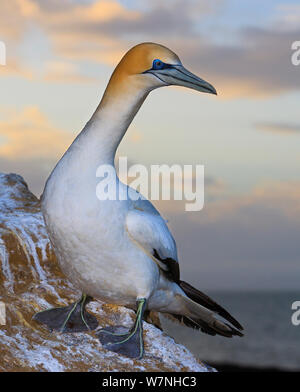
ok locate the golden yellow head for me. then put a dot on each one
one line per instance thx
(148, 66)
(140, 58)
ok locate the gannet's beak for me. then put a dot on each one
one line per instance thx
(180, 76)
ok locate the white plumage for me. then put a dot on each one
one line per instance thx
(121, 251)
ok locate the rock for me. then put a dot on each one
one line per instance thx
(31, 281)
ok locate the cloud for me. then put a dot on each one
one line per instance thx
(30, 145)
(257, 64)
(248, 242)
(66, 72)
(78, 31)
(103, 31)
(287, 16)
(135, 136)
(14, 16)
(278, 198)
(13, 67)
(70, 27)
(280, 128)
(28, 134)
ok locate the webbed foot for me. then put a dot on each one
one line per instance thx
(72, 318)
(122, 341)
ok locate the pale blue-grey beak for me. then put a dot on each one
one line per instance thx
(179, 76)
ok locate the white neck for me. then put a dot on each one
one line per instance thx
(98, 141)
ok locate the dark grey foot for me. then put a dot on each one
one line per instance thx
(122, 341)
(72, 318)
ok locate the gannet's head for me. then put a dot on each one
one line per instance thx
(150, 66)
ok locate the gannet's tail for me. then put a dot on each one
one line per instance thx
(200, 312)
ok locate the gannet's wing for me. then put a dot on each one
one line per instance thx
(149, 231)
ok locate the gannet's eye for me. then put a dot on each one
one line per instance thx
(158, 64)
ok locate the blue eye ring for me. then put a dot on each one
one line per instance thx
(158, 64)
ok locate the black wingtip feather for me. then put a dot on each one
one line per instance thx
(204, 327)
(207, 302)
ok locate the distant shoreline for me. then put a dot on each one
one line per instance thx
(231, 367)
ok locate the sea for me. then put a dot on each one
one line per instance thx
(270, 339)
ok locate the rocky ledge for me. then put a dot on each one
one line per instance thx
(31, 281)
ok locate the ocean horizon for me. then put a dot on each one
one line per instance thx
(270, 341)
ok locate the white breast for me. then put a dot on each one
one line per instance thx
(91, 242)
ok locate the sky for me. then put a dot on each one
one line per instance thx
(60, 55)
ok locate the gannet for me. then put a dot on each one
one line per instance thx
(121, 251)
